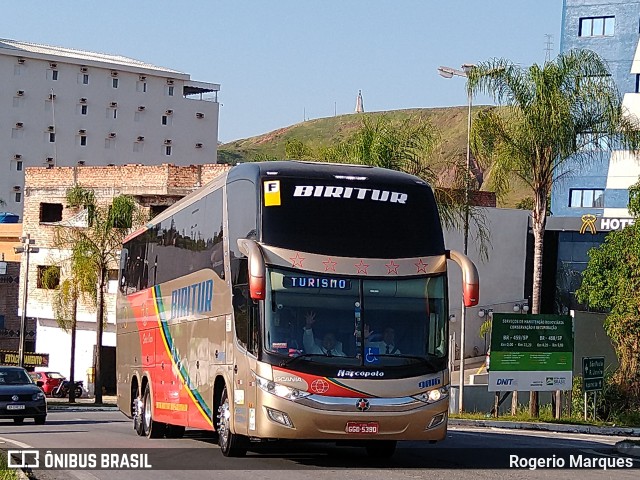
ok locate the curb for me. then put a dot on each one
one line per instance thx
(76, 408)
(549, 427)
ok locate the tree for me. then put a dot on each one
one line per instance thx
(553, 117)
(78, 285)
(611, 282)
(93, 250)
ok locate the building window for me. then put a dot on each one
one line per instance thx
(50, 212)
(112, 112)
(637, 83)
(52, 137)
(83, 140)
(17, 133)
(141, 86)
(18, 197)
(114, 82)
(165, 120)
(138, 147)
(52, 74)
(85, 79)
(586, 198)
(84, 109)
(170, 90)
(19, 165)
(48, 276)
(2, 326)
(109, 143)
(167, 150)
(597, 27)
(17, 70)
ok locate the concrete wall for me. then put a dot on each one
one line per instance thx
(501, 275)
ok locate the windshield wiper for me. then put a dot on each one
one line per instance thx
(306, 356)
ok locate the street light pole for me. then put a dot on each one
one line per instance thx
(448, 72)
(26, 248)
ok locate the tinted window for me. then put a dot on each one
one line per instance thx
(351, 218)
(188, 241)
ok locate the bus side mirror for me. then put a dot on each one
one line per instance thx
(470, 278)
(257, 281)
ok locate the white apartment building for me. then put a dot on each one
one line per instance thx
(65, 107)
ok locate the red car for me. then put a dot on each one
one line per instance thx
(50, 380)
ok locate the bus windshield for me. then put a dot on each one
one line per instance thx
(355, 321)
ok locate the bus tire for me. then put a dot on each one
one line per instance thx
(174, 431)
(152, 429)
(381, 448)
(231, 444)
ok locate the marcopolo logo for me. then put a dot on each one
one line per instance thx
(360, 374)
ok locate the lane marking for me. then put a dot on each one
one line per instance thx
(16, 442)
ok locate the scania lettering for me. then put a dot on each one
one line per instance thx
(290, 300)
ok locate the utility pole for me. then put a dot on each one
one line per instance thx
(26, 248)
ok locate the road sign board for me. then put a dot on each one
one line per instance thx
(531, 352)
(593, 373)
(592, 367)
(593, 384)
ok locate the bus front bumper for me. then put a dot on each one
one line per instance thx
(331, 418)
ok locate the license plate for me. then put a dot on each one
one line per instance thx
(362, 427)
(15, 407)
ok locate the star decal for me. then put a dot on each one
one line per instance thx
(362, 267)
(392, 267)
(297, 260)
(329, 265)
(422, 267)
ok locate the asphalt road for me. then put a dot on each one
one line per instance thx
(467, 453)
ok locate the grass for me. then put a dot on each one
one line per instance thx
(5, 472)
(450, 122)
(546, 416)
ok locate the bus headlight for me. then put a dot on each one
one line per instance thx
(282, 391)
(432, 396)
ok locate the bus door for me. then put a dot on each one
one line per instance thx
(244, 394)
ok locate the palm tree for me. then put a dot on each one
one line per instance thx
(93, 250)
(555, 118)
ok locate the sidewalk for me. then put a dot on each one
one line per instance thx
(83, 403)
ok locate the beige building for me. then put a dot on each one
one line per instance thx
(9, 282)
(153, 187)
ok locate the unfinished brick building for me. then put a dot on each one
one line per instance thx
(154, 188)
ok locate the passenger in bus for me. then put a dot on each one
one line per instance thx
(330, 346)
(386, 346)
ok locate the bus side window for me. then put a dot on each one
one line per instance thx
(254, 337)
(240, 313)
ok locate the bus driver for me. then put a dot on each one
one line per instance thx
(329, 347)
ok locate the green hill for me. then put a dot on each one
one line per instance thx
(451, 123)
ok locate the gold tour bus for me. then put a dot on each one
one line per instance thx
(290, 300)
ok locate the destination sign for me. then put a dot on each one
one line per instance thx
(315, 282)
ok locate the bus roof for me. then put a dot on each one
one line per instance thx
(254, 171)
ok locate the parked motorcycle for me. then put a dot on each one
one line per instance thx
(62, 390)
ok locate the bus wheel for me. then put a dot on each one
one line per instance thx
(152, 429)
(231, 444)
(174, 431)
(136, 408)
(381, 448)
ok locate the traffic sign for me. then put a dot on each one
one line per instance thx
(593, 373)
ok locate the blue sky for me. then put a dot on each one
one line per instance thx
(281, 60)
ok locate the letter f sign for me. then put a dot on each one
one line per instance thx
(271, 193)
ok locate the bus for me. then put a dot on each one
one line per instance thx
(290, 300)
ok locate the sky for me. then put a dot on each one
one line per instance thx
(280, 62)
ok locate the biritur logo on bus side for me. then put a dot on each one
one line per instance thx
(349, 192)
(192, 299)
